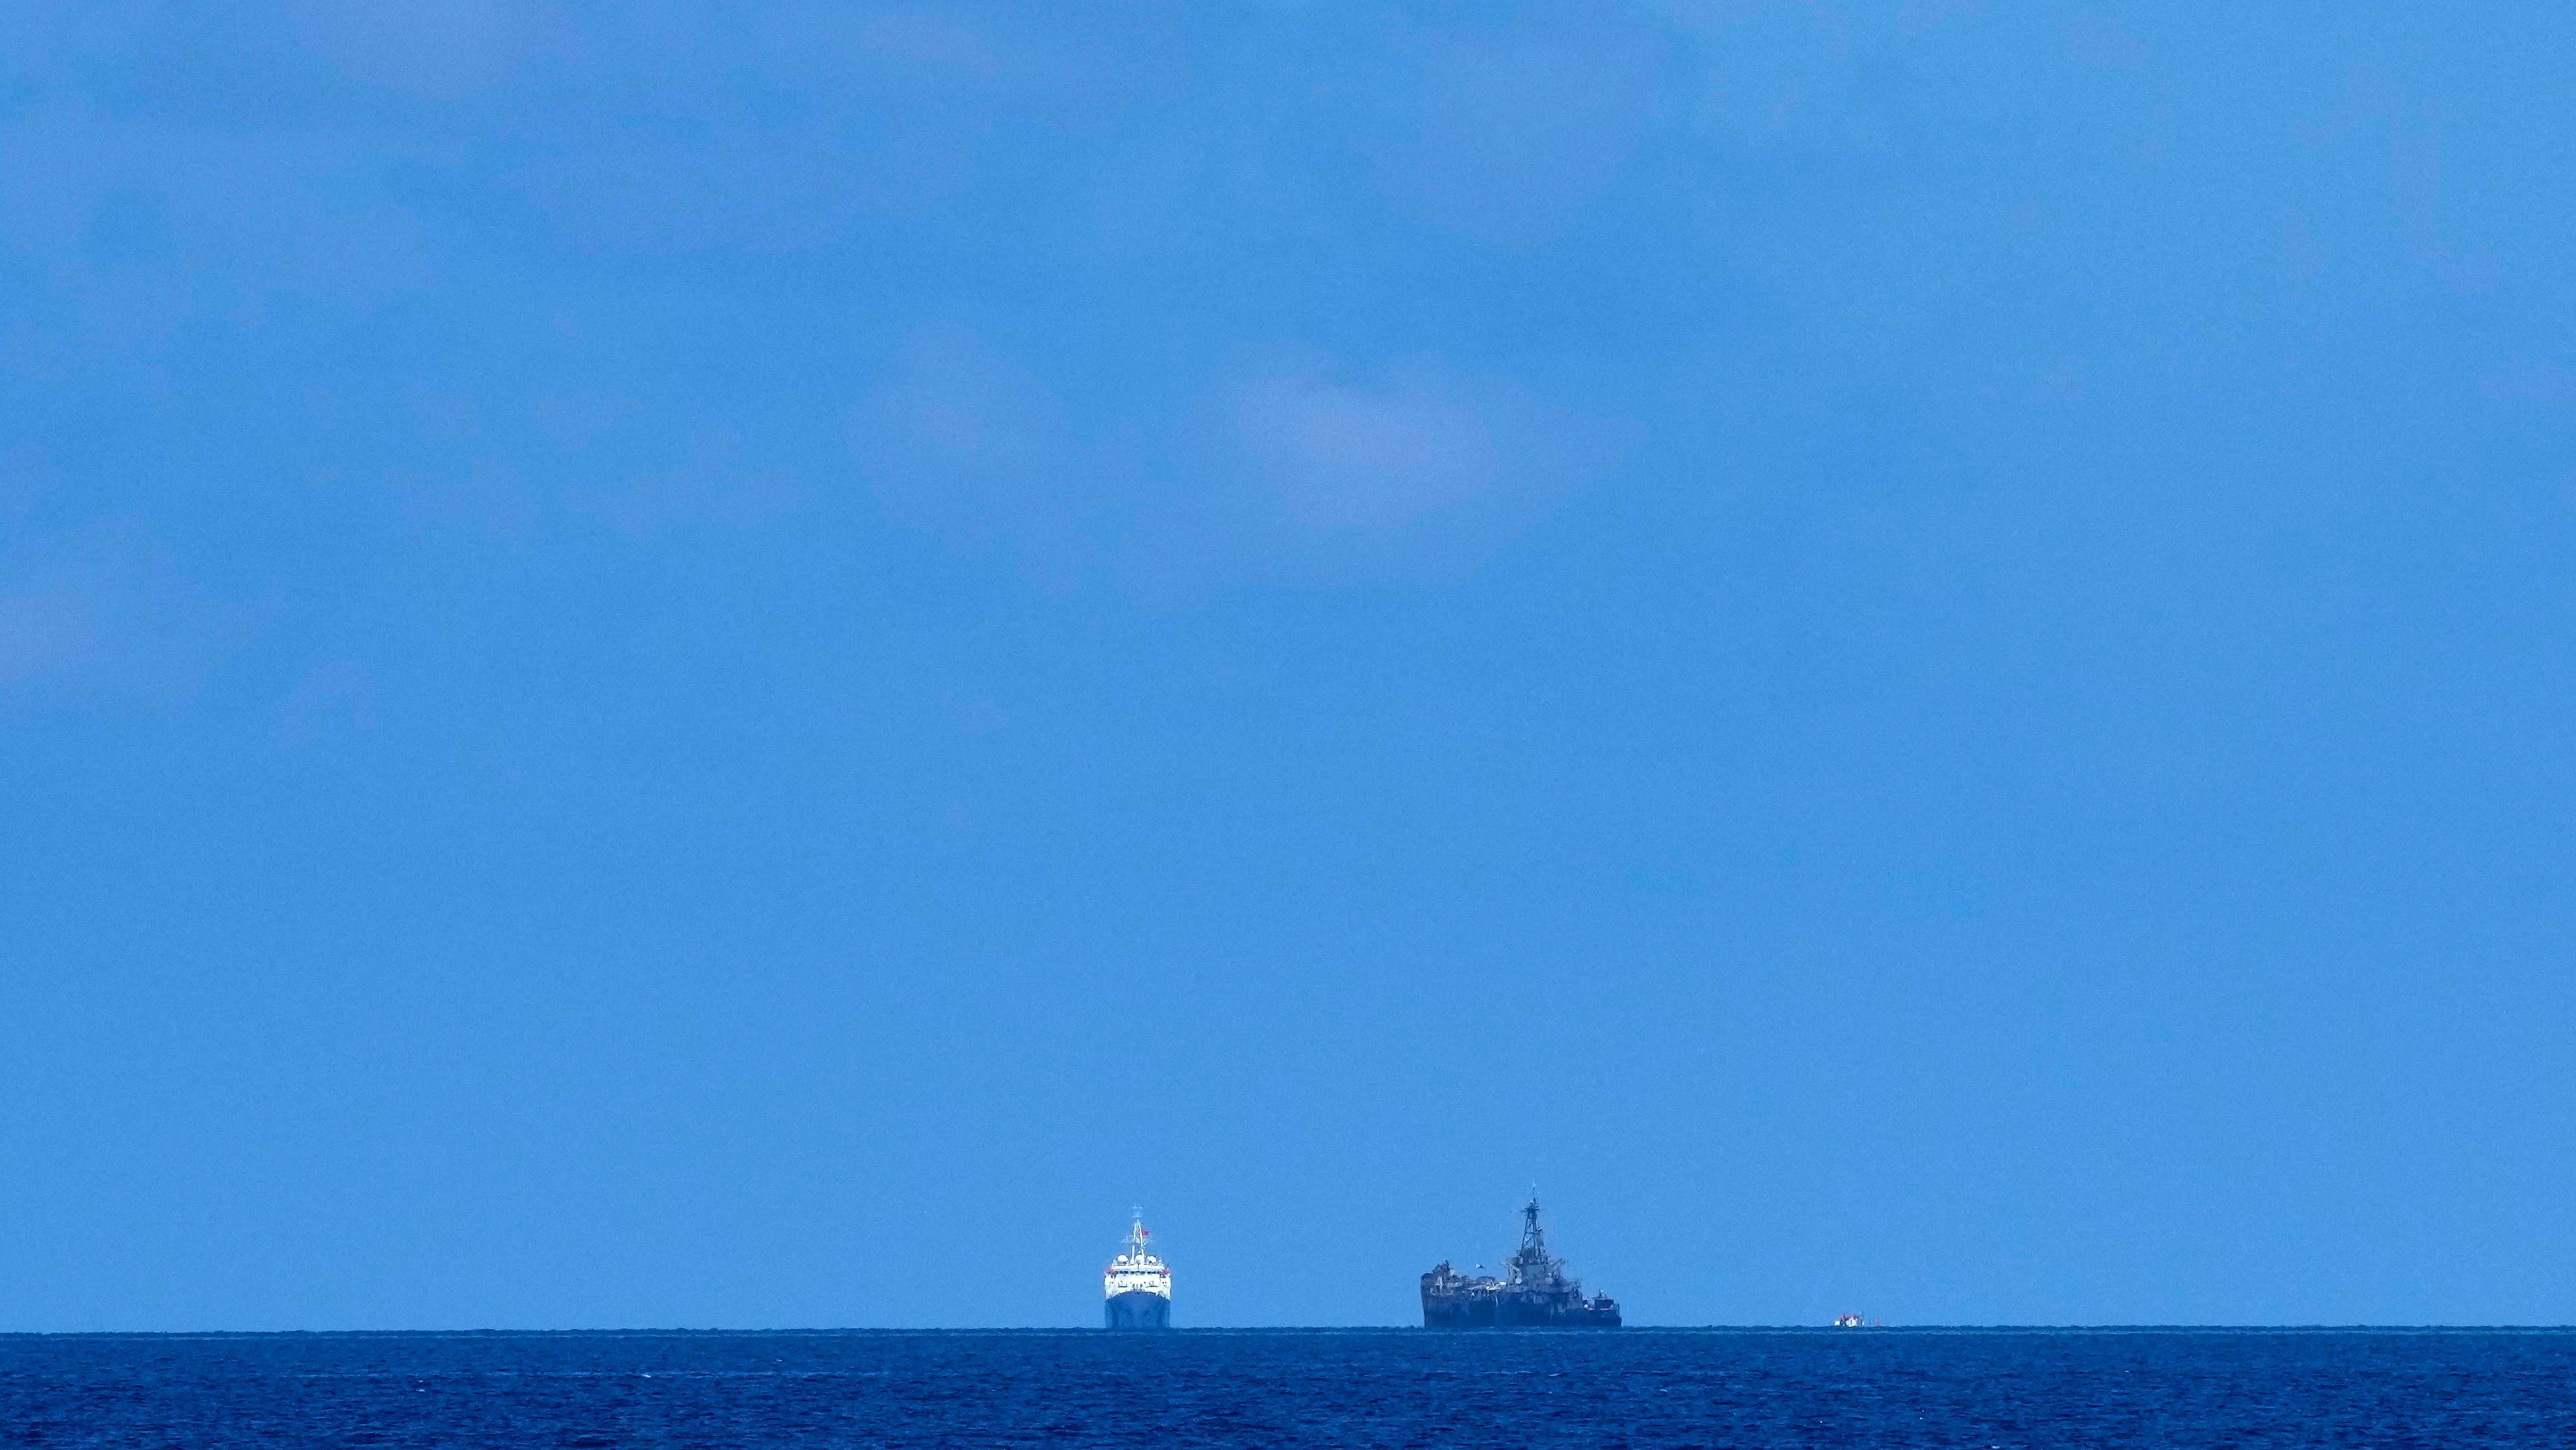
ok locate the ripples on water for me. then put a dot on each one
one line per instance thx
(1214, 1387)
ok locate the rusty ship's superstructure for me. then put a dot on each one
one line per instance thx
(1535, 1292)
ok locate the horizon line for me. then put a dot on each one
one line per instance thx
(1468, 1334)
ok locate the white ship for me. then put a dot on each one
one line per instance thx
(1137, 1290)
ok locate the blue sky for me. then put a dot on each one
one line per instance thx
(668, 666)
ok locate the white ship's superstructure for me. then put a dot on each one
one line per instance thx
(1136, 1292)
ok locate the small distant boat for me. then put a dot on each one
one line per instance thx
(1850, 1321)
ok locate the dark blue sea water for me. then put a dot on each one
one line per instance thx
(1216, 1387)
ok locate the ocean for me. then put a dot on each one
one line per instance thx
(1636, 1387)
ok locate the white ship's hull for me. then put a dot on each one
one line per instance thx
(1137, 1309)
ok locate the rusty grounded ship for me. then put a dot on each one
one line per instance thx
(1535, 1292)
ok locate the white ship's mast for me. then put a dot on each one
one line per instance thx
(1136, 1267)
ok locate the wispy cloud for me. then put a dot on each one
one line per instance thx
(1298, 467)
(1290, 467)
(959, 439)
(103, 618)
(1367, 455)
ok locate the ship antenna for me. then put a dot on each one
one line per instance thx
(1533, 1240)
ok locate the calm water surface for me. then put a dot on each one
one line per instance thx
(1219, 1387)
